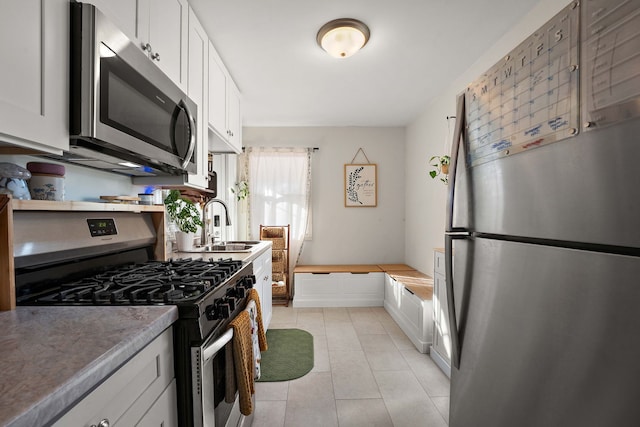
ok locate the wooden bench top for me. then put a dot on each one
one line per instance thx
(338, 268)
(396, 267)
(417, 282)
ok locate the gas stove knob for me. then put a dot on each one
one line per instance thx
(237, 292)
(224, 310)
(211, 312)
(249, 280)
(232, 303)
(240, 291)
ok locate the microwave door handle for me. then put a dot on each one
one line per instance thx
(192, 133)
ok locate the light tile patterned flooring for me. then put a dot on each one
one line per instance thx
(366, 373)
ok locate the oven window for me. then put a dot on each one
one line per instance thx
(220, 378)
(131, 104)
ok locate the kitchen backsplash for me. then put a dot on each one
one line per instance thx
(84, 184)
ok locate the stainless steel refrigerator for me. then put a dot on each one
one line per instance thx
(544, 221)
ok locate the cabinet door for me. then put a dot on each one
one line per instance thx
(441, 338)
(262, 271)
(34, 106)
(234, 118)
(197, 89)
(217, 94)
(163, 24)
(126, 396)
(163, 413)
(121, 12)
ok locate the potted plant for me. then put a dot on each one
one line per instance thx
(184, 213)
(441, 165)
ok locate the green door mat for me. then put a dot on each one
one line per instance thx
(290, 355)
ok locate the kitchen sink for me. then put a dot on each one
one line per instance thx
(230, 246)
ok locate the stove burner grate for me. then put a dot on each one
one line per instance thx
(152, 282)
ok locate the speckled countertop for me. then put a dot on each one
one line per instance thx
(52, 356)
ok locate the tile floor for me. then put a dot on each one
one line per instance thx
(366, 373)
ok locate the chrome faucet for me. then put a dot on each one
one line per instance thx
(203, 237)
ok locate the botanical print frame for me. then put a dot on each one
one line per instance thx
(360, 185)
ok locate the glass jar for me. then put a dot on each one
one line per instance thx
(13, 181)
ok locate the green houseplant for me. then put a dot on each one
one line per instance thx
(184, 213)
(441, 168)
(241, 190)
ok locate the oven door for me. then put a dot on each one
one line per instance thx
(210, 370)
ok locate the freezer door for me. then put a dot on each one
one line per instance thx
(582, 189)
(548, 337)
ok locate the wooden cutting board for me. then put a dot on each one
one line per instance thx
(121, 199)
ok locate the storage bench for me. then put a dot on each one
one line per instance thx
(348, 285)
(408, 298)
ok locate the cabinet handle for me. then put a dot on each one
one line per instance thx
(146, 47)
(155, 56)
(103, 423)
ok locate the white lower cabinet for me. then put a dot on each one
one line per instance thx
(262, 271)
(140, 393)
(441, 348)
(411, 313)
(339, 289)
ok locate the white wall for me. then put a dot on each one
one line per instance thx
(426, 198)
(348, 235)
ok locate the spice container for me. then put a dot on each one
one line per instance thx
(47, 181)
(12, 181)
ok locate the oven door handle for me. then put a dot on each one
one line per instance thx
(211, 350)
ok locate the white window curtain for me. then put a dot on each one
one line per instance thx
(280, 193)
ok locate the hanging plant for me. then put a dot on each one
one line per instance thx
(241, 190)
(441, 165)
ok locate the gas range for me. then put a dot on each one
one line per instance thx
(205, 290)
(108, 258)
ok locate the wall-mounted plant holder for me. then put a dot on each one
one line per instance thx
(441, 164)
(441, 168)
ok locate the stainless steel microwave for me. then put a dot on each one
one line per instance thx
(126, 115)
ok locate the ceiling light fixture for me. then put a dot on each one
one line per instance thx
(343, 37)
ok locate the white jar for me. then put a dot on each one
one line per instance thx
(47, 181)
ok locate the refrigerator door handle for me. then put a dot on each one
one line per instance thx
(455, 150)
(451, 302)
(452, 232)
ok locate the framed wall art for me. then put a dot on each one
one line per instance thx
(360, 185)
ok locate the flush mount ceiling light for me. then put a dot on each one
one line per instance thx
(343, 37)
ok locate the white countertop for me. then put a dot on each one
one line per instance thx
(256, 250)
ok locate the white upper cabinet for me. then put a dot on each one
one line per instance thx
(197, 86)
(162, 33)
(225, 115)
(121, 12)
(34, 88)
